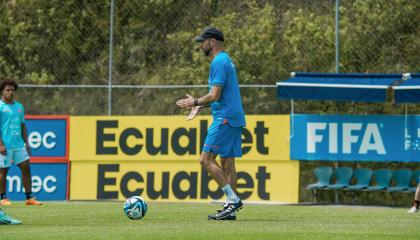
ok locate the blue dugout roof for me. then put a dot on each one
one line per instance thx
(337, 87)
(408, 91)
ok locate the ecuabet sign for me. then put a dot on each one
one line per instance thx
(170, 138)
(181, 181)
(356, 138)
(157, 157)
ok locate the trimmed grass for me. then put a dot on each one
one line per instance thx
(106, 220)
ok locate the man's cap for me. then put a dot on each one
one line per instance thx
(210, 32)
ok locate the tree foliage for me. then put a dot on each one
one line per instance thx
(67, 42)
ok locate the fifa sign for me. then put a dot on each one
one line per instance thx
(357, 137)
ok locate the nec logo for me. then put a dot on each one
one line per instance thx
(345, 138)
(47, 137)
(47, 184)
(47, 140)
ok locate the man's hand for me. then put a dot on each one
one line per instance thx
(186, 102)
(3, 150)
(194, 112)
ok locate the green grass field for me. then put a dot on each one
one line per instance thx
(106, 220)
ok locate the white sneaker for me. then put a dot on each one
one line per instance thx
(6, 220)
(413, 210)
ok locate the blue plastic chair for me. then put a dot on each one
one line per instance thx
(382, 178)
(362, 177)
(402, 179)
(323, 175)
(415, 178)
(342, 178)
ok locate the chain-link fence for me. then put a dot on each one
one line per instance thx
(60, 50)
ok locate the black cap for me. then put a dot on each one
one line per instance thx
(210, 32)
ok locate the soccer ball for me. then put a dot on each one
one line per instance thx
(135, 208)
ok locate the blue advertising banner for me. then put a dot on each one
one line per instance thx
(47, 137)
(355, 138)
(49, 182)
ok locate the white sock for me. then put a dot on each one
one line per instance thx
(231, 196)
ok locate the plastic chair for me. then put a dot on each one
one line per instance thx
(415, 178)
(402, 178)
(383, 179)
(362, 177)
(323, 175)
(342, 178)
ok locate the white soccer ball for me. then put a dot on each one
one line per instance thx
(135, 208)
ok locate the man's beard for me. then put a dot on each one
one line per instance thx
(206, 52)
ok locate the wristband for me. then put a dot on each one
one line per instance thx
(196, 102)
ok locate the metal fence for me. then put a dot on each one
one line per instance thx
(137, 57)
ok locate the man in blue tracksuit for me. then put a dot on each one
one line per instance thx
(224, 134)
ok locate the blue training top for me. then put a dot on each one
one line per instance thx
(229, 105)
(11, 118)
